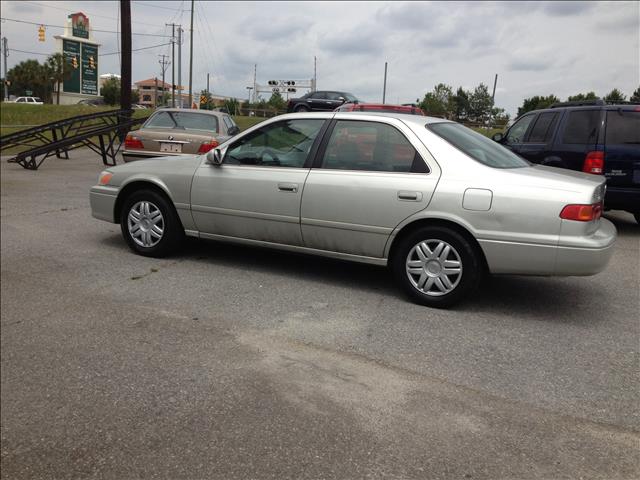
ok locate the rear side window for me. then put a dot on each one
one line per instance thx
(623, 128)
(371, 146)
(319, 95)
(581, 127)
(544, 127)
(477, 146)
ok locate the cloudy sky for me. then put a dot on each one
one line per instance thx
(536, 48)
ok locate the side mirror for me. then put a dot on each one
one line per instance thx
(214, 157)
(342, 99)
(234, 130)
(497, 137)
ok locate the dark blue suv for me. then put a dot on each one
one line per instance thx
(589, 136)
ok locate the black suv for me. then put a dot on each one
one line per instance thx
(589, 136)
(320, 101)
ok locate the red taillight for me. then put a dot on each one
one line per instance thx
(132, 142)
(205, 147)
(582, 213)
(594, 163)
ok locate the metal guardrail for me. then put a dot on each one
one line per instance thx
(97, 131)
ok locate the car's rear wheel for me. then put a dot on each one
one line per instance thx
(436, 266)
(150, 224)
(301, 108)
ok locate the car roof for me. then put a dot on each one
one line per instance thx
(405, 117)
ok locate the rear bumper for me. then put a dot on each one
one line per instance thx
(591, 258)
(575, 255)
(131, 155)
(103, 200)
(623, 198)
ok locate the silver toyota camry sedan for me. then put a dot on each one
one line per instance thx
(438, 203)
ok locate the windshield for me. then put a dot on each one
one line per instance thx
(183, 120)
(477, 146)
(350, 98)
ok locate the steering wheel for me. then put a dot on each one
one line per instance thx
(269, 155)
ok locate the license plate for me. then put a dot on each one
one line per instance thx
(171, 147)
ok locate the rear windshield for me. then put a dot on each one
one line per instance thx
(623, 128)
(183, 120)
(478, 146)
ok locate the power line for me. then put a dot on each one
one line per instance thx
(100, 55)
(95, 30)
(90, 13)
(158, 6)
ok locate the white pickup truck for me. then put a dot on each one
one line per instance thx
(29, 100)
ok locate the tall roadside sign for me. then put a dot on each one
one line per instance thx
(81, 51)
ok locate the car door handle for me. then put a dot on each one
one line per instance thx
(288, 187)
(409, 196)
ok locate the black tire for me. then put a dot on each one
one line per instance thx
(301, 108)
(172, 230)
(460, 250)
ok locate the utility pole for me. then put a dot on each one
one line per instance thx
(384, 88)
(315, 76)
(255, 89)
(164, 64)
(191, 58)
(5, 54)
(180, 67)
(493, 95)
(173, 63)
(125, 69)
(155, 96)
(207, 82)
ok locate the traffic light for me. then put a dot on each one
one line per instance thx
(92, 63)
(291, 82)
(291, 89)
(74, 62)
(41, 31)
(273, 82)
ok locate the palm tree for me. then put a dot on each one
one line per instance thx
(59, 70)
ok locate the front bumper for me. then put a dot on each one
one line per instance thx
(102, 199)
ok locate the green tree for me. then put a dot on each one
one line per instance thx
(231, 105)
(460, 105)
(135, 96)
(30, 75)
(582, 96)
(480, 104)
(277, 102)
(59, 69)
(537, 102)
(635, 96)
(499, 116)
(615, 96)
(438, 102)
(206, 102)
(110, 91)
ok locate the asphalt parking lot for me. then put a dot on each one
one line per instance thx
(232, 362)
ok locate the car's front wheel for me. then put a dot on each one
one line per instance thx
(150, 225)
(436, 266)
(301, 108)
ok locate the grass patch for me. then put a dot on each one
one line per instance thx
(245, 122)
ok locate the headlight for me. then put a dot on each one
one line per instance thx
(105, 177)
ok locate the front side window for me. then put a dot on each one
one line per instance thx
(21, 100)
(477, 146)
(517, 131)
(184, 121)
(371, 146)
(581, 127)
(623, 128)
(318, 95)
(543, 129)
(281, 144)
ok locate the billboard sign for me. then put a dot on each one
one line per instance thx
(71, 52)
(79, 25)
(89, 69)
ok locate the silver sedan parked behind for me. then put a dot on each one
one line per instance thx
(175, 131)
(438, 203)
